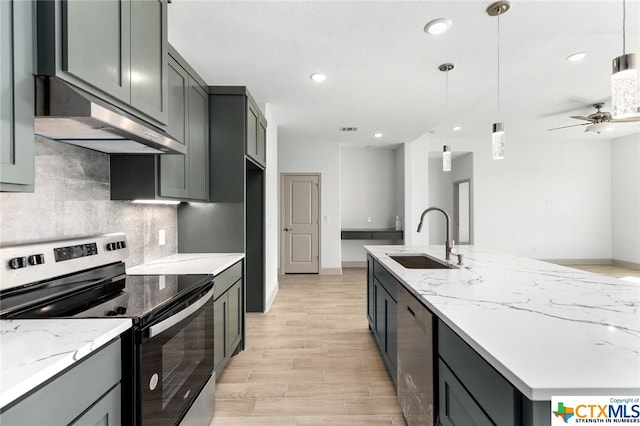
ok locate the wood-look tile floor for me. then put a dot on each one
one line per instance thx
(309, 361)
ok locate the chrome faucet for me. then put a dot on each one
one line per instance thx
(447, 243)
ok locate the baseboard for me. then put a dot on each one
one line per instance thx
(331, 271)
(580, 261)
(625, 264)
(271, 297)
(354, 264)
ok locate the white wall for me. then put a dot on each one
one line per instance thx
(300, 157)
(416, 190)
(272, 223)
(547, 199)
(368, 190)
(626, 199)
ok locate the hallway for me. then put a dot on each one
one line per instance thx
(309, 361)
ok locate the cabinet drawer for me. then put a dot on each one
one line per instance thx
(71, 393)
(386, 280)
(494, 393)
(224, 280)
(457, 406)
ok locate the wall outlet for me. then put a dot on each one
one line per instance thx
(369, 220)
(162, 240)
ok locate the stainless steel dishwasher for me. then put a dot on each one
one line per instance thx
(415, 360)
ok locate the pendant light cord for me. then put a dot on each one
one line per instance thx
(498, 69)
(624, 19)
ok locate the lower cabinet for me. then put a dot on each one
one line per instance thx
(381, 290)
(86, 394)
(228, 316)
(457, 406)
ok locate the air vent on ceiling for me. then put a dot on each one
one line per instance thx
(348, 129)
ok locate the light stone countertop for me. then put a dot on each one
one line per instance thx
(187, 263)
(33, 351)
(550, 330)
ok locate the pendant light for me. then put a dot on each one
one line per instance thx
(446, 150)
(624, 80)
(446, 158)
(497, 136)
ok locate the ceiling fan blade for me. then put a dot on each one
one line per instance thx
(580, 117)
(624, 120)
(572, 125)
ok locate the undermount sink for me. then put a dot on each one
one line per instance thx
(420, 261)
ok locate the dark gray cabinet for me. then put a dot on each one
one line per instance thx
(234, 219)
(228, 316)
(115, 49)
(457, 406)
(180, 177)
(384, 314)
(371, 234)
(256, 133)
(16, 102)
(89, 393)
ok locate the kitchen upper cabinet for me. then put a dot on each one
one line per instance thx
(16, 102)
(256, 133)
(180, 177)
(115, 49)
(89, 393)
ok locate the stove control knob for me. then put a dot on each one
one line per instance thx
(36, 259)
(18, 262)
(121, 310)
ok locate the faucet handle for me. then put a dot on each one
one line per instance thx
(452, 249)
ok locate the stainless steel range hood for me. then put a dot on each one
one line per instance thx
(71, 115)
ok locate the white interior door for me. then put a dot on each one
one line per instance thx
(300, 224)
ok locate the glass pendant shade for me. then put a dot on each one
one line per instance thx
(446, 158)
(624, 87)
(497, 141)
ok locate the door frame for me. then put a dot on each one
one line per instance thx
(281, 208)
(456, 210)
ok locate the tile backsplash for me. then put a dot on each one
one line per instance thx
(72, 199)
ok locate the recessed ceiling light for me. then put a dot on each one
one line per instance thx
(456, 128)
(576, 57)
(317, 77)
(437, 26)
(377, 135)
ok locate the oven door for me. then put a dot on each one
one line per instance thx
(176, 360)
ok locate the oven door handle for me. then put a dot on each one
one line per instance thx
(164, 325)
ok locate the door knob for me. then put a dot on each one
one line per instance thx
(287, 229)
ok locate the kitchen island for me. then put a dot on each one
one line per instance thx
(548, 330)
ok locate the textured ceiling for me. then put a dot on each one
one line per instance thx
(382, 69)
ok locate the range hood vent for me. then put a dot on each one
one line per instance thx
(68, 114)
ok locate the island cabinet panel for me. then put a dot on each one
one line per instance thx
(382, 288)
(16, 102)
(88, 393)
(485, 386)
(371, 300)
(457, 406)
(228, 316)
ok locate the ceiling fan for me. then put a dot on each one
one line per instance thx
(597, 122)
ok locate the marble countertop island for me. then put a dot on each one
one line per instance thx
(188, 263)
(550, 330)
(33, 351)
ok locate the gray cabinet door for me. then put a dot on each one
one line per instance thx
(457, 406)
(149, 57)
(96, 44)
(106, 412)
(252, 130)
(173, 168)
(261, 149)
(371, 301)
(198, 131)
(235, 316)
(16, 102)
(220, 333)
